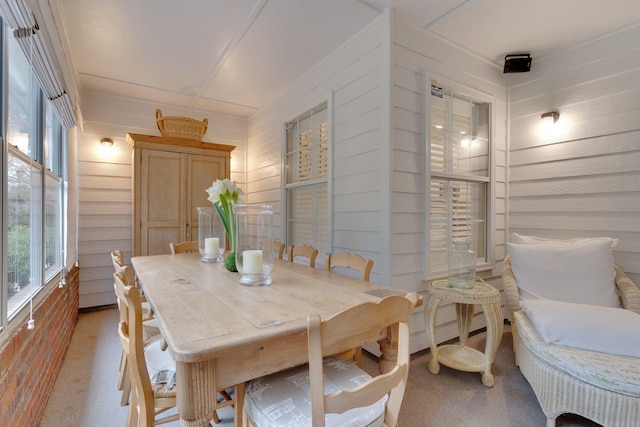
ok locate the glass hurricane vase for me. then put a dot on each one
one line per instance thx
(211, 235)
(254, 243)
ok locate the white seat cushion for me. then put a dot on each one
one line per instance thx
(590, 327)
(612, 372)
(160, 364)
(283, 399)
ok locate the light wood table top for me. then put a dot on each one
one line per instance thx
(222, 333)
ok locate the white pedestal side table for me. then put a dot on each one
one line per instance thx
(459, 356)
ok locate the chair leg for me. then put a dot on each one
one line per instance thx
(238, 407)
(123, 370)
(125, 380)
(132, 419)
(357, 358)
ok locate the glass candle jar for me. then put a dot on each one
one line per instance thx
(462, 266)
(211, 235)
(254, 243)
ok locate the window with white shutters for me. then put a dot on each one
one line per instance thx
(459, 175)
(307, 165)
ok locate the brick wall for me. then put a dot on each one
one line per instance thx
(30, 360)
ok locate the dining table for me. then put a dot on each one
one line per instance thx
(221, 333)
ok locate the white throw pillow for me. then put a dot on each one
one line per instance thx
(535, 240)
(579, 272)
(590, 327)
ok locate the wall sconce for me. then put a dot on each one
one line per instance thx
(106, 142)
(549, 118)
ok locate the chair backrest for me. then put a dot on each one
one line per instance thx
(132, 341)
(184, 247)
(279, 248)
(306, 251)
(351, 261)
(117, 257)
(346, 330)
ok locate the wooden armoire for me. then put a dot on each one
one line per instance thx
(170, 179)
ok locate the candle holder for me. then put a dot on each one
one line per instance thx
(254, 243)
(211, 235)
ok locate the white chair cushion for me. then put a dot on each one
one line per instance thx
(160, 364)
(620, 374)
(605, 329)
(283, 399)
(580, 272)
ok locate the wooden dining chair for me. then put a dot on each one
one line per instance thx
(304, 250)
(354, 398)
(148, 399)
(185, 247)
(150, 330)
(279, 247)
(351, 261)
(363, 266)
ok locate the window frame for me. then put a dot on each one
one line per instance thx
(489, 181)
(43, 118)
(311, 183)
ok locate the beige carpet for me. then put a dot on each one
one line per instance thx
(85, 394)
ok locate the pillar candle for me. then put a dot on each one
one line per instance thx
(211, 246)
(252, 261)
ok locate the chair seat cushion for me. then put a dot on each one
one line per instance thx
(283, 399)
(590, 327)
(161, 366)
(612, 372)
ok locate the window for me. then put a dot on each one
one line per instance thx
(459, 175)
(35, 170)
(307, 165)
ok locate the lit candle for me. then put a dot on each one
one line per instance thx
(211, 246)
(252, 261)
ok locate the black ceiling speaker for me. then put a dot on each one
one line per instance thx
(520, 63)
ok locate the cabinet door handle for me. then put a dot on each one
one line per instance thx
(188, 233)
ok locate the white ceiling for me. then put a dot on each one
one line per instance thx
(234, 56)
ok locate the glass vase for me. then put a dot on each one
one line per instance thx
(211, 235)
(462, 266)
(254, 243)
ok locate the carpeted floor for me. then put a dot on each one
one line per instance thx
(85, 393)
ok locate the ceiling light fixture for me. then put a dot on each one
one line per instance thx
(106, 142)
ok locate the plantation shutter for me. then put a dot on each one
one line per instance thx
(307, 174)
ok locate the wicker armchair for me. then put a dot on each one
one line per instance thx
(571, 390)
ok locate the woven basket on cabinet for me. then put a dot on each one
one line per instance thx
(181, 127)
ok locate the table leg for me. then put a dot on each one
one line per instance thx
(389, 350)
(495, 326)
(196, 392)
(464, 315)
(430, 319)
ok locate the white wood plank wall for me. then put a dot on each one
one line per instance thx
(104, 181)
(351, 76)
(584, 180)
(378, 164)
(417, 57)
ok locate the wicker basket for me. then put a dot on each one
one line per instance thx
(181, 127)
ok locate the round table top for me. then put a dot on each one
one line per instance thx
(481, 293)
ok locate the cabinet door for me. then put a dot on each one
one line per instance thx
(163, 201)
(203, 170)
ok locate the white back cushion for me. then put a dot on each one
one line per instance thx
(580, 272)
